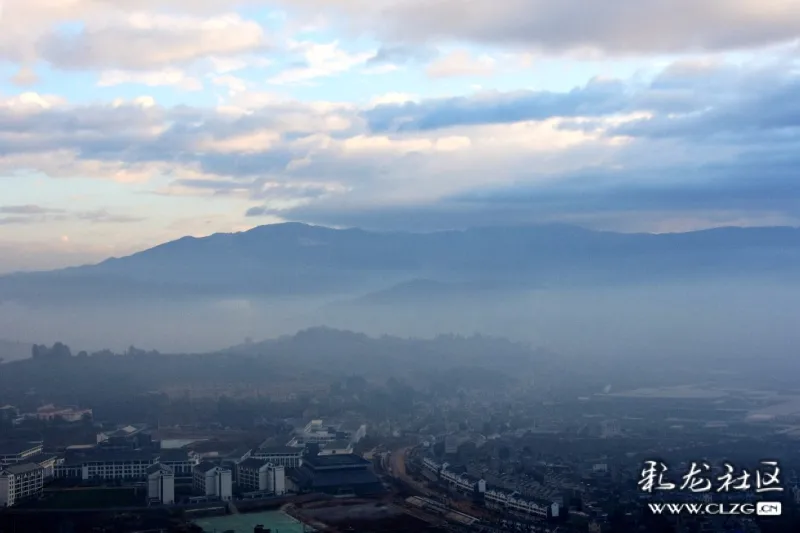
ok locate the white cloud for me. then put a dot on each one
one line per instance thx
(166, 77)
(321, 61)
(461, 63)
(393, 98)
(25, 76)
(132, 35)
(144, 41)
(234, 84)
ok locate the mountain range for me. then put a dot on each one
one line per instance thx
(297, 259)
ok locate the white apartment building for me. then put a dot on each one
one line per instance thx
(106, 464)
(20, 481)
(160, 484)
(258, 475)
(213, 481)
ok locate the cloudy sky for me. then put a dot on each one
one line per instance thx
(126, 123)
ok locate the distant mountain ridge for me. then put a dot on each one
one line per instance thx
(297, 259)
(14, 351)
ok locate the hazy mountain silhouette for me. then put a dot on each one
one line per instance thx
(13, 351)
(298, 259)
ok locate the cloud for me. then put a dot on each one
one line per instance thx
(27, 210)
(104, 217)
(147, 41)
(25, 77)
(627, 27)
(461, 63)
(608, 150)
(166, 77)
(598, 97)
(125, 36)
(35, 214)
(319, 61)
(401, 54)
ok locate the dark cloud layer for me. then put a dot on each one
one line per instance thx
(595, 99)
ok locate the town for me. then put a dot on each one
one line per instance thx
(382, 455)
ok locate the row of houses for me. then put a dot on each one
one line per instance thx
(493, 497)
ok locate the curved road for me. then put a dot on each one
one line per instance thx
(398, 465)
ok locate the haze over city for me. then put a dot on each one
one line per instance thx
(496, 255)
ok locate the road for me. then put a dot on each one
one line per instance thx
(398, 465)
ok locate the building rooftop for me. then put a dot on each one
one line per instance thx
(252, 464)
(40, 458)
(14, 447)
(205, 466)
(22, 468)
(158, 467)
(336, 479)
(338, 444)
(278, 450)
(348, 460)
(173, 455)
(351, 426)
(98, 455)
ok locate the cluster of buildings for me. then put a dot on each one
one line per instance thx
(323, 463)
(495, 498)
(332, 439)
(46, 413)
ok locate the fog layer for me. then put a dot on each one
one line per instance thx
(724, 319)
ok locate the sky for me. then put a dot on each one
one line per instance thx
(128, 123)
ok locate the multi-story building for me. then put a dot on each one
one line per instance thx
(514, 502)
(180, 461)
(19, 482)
(52, 413)
(355, 431)
(285, 456)
(99, 464)
(495, 498)
(160, 484)
(127, 433)
(337, 475)
(315, 432)
(213, 481)
(14, 452)
(337, 447)
(48, 462)
(259, 475)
